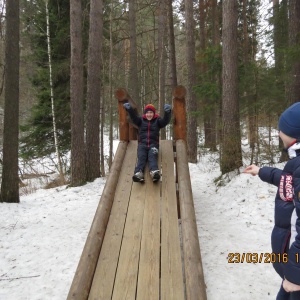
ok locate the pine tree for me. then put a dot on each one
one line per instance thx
(231, 157)
(93, 90)
(191, 65)
(78, 169)
(10, 179)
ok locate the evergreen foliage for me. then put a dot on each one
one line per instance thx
(37, 139)
(262, 82)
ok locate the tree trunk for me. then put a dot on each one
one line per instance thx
(231, 158)
(217, 76)
(280, 40)
(208, 104)
(294, 44)
(192, 136)
(102, 115)
(172, 52)
(94, 91)
(280, 43)
(250, 103)
(133, 73)
(78, 171)
(10, 178)
(55, 135)
(162, 58)
(110, 87)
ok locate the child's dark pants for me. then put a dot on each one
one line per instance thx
(145, 153)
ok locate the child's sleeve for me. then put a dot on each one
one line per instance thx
(163, 122)
(292, 267)
(133, 116)
(270, 175)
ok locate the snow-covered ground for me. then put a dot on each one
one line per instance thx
(42, 237)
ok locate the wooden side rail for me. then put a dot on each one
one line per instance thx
(82, 280)
(195, 285)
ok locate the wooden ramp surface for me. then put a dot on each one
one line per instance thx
(141, 255)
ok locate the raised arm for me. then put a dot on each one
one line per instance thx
(133, 116)
(162, 122)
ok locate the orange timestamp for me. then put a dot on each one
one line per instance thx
(254, 257)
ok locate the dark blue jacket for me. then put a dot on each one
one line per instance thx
(149, 130)
(286, 232)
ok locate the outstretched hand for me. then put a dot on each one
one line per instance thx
(127, 106)
(290, 287)
(167, 108)
(253, 170)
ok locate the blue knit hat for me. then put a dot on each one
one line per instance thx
(289, 121)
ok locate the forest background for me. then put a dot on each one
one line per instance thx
(61, 61)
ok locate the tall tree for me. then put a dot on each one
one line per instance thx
(249, 17)
(53, 110)
(192, 140)
(110, 97)
(10, 181)
(133, 73)
(172, 51)
(280, 40)
(294, 44)
(208, 102)
(93, 90)
(231, 156)
(217, 73)
(78, 170)
(162, 23)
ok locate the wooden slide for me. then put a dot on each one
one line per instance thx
(143, 243)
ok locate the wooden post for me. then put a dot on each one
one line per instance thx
(194, 276)
(83, 277)
(179, 113)
(128, 131)
(123, 123)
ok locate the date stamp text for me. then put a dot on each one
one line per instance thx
(255, 257)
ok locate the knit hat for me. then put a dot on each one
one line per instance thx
(289, 121)
(149, 107)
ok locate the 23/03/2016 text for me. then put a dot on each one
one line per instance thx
(255, 257)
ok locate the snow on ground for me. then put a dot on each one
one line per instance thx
(42, 237)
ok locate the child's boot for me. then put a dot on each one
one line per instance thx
(138, 177)
(155, 175)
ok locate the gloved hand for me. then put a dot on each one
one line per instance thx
(167, 108)
(127, 106)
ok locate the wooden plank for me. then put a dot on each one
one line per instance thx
(172, 286)
(194, 276)
(83, 277)
(149, 265)
(104, 277)
(127, 271)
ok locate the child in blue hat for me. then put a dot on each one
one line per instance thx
(286, 232)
